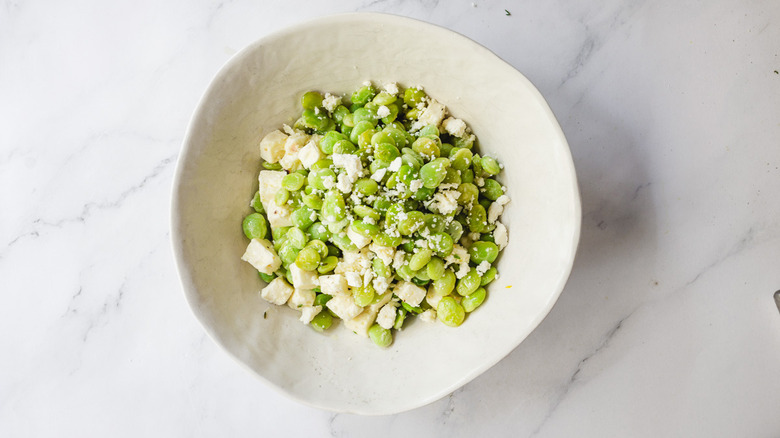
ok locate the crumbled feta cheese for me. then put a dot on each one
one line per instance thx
(300, 298)
(328, 182)
(350, 163)
(428, 316)
(454, 127)
(432, 297)
(358, 239)
(385, 253)
(344, 306)
(369, 220)
(496, 208)
(386, 316)
(260, 254)
(272, 146)
(334, 284)
(463, 270)
(353, 279)
(458, 256)
(331, 102)
(500, 235)
(395, 164)
(309, 312)
(479, 181)
(277, 292)
(288, 129)
(378, 175)
(344, 184)
(415, 185)
(392, 88)
(310, 154)
(433, 114)
(292, 147)
(399, 259)
(410, 293)
(303, 279)
(445, 201)
(382, 111)
(483, 267)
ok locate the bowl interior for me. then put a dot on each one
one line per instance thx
(256, 92)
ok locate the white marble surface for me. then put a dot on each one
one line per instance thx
(666, 328)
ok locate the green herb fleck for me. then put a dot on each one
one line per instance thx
(265, 315)
(507, 12)
(777, 72)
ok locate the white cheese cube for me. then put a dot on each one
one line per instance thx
(344, 184)
(277, 292)
(334, 284)
(260, 254)
(428, 316)
(272, 146)
(384, 299)
(344, 306)
(410, 293)
(358, 239)
(308, 313)
(500, 235)
(278, 215)
(386, 316)
(360, 323)
(292, 147)
(310, 154)
(303, 279)
(270, 182)
(300, 298)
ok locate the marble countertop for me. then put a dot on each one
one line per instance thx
(667, 326)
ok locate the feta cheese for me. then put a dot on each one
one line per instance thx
(303, 279)
(344, 184)
(445, 201)
(399, 259)
(310, 154)
(410, 293)
(454, 127)
(358, 239)
(277, 292)
(331, 102)
(500, 236)
(344, 307)
(272, 146)
(385, 253)
(260, 254)
(392, 88)
(458, 256)
(463, 270)
(483, 267)
(300, 298)
(292, 147)
(379, 174)
(433, 114)
(381, 284)
(382, 111)
(496, 208)
(395, 165)
(415, 185)
(278, 215)
(309, 312)
(428, 316)
(334, 284)
(353, 279)
(386, 316)
(350, 163)
(361, 323)
(270, 182)
(328, 182)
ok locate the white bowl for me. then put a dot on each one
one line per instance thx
(257, 91)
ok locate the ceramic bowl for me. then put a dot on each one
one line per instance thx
(256, 92)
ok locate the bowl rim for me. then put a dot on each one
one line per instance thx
(188, 287)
